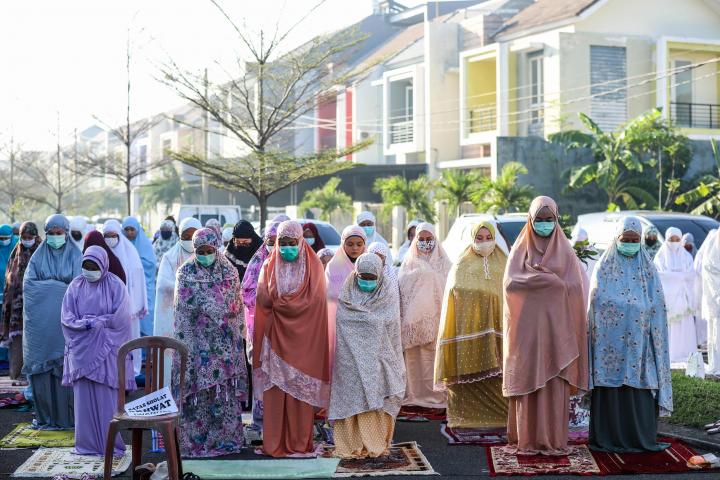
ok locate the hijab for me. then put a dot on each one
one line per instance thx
(648, 231)
(545, 333)
(422, 283)
(78, 224)
(160, 245)
(341, 265)
(369, 371)
(376, 237)
(5, 251)
(12, 324)
(389, 274)
(627, 323)
(240, 257)
(250, 279)
(134, 271)
(469, 347)
(689, 239)
(57, 264)
(143, 246)
(406, 244)
(672, 259)
(319, 244)
(96, 238)
(96, 323)
(214, 224)
(291, 348)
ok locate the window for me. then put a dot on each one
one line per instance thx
(166, 147)
(682, 93)
(400, 116)
(608, 79)
(142, 157)
(408, 102)
(537, 91)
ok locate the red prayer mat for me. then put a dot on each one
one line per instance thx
(671, 460)
(578, 462)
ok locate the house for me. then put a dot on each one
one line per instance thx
(611, 59)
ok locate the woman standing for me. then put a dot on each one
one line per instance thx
(95, 323)
(422, 282)
(353, 243)
(544, 333)
(468, 362)
(369, 375)
(12, 327)
(707, 263)
(651, 240)
(677, 275)
(312, 237)
(208, 319)
(96, 238)
(50, 270)
(629, 359)
(135, 233)
(291, 357)
(243, 245)
(166, 240)
(7, 245)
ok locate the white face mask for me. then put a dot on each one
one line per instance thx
(426, 246)
(112, 242)
(28, 243)
(484, 249)
(310, 241)
(187, 245)
(5, 242)
(674, 246)
(91, 276)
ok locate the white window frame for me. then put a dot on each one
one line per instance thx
(415, 74)
(536, 65)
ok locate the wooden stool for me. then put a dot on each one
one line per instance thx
(167, 425)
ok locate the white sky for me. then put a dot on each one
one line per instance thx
(67, 57)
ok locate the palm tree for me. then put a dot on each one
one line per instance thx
(616, 169)
(413, 195)
(458, 186)
(165, 190)
(705, 196)
(504, 194)
(328, 199)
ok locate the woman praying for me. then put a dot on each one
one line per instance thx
(51, 269)
(96, 238)
(422, 279)
(166, 240)
(544, 333)
(95, 323)
(291, 355)
(468, 362)
(242, 246)
(135, 233)
(208, 319)
(312, 236)
(369, 375)
(629, 359)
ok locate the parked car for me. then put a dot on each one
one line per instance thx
(601, 227)
(458, 238)
(225, 214)
(328, 233)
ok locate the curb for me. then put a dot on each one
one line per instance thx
(690, 439)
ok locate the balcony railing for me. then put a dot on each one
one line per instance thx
(482, 119)
(695, 115)
(401, 132)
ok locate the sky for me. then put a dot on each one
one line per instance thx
(63, 61)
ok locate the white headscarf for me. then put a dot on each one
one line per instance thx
(707, 263)
(78, 224)
(422, 284)
(376, 237)
(675, 266)
(388, 270)
(673, 258)
(340, 266)
(134, 272)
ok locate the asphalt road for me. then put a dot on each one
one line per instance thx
(450, 462)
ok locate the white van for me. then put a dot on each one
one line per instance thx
(226, 214)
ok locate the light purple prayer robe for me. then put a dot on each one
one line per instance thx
(95, 323)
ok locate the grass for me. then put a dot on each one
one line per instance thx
(696, 402)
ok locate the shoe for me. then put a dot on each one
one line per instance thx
(712, 425)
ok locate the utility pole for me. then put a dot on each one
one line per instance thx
(204, 184)
(660, 174)
(59, 179)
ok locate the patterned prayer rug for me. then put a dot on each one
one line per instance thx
(6, 386)
(276, 468)
(671, 460)
(473, 436)
(12, 401)
(412, 413)
(23, 436)
(52, 462)
(404, 459)
(578, 462)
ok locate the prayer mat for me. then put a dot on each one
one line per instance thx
(6, 386)
(273, 468)
(578, 462)
(157, 444)
(52, 462)
(473, 436)
(23, 436)
(412, 413)
(671, 460)
(404, 459)
(13, 401)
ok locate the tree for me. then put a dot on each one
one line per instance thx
(663, 147)
(328, 199)
(504, 194)
(616, 170)
(122, 168)
(706, 196)
(258, 109)
(458, 187)
(163, 191)
(13, 188)
(413, 195)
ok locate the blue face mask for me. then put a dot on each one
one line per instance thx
(290, 253)
(206, 260)
(367, 286)
(310, 241)
(369, 231)
(544, 229)
(628, 249)
(55, 241)
(5, 243)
